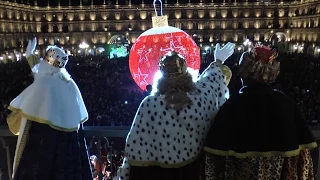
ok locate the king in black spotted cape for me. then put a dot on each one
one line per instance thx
(165, 141)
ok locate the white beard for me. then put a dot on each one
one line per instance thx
(45, 69)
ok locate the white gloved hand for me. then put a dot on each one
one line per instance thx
(31, 47)
(224, 53)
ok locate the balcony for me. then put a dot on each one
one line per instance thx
(8, 143)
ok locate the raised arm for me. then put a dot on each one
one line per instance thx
(220, 56)
(32, 59)
(217, 76)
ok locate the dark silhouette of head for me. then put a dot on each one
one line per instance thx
(149, 88)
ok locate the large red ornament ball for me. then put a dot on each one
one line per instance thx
(154, 43)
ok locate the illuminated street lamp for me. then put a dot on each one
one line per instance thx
(83, 45)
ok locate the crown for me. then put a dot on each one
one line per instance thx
(263, 54)
(173, 65)
(260, 64)
(56, 57)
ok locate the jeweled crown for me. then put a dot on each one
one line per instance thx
(263, 54)
(56, 57)
(173, 65)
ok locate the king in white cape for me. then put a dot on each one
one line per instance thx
(47, 116)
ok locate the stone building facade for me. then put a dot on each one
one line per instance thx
(295, 23)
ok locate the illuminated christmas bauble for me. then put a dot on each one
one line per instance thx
(154, 43)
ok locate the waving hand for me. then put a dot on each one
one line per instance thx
(224, 53)
(31, 47)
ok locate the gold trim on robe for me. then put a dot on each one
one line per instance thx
(290, 153)
(45, 121)
(226, 71)
(14, 122)
(33, 60)
(22, 145)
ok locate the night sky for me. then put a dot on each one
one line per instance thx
(121, 2)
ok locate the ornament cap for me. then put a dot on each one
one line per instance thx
(160, 21)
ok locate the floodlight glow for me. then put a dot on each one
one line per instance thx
(83, 45)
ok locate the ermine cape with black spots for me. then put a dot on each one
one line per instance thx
(162, 136)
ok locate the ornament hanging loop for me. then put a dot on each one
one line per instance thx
(159, 21)
(155, 9)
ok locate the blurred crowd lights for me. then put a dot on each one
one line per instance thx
(247, 42)
(83, 45)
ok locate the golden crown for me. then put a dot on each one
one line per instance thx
(173, 65)
(56, 57)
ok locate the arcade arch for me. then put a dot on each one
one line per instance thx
(118, 46)
(279, 40)
(119, 39)
(310, 50)
(278, 37)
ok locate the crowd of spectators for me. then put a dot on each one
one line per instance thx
(300, 80)
(111, 158)
(14, 78)
(105, 86)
